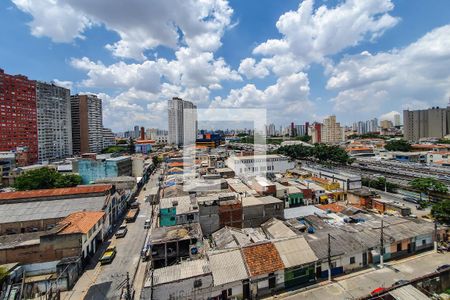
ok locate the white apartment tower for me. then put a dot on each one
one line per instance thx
(332, 132)
(182, 117)
(53, 121)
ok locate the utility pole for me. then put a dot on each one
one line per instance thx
(382, 245)
(128, 287)
(329, 257)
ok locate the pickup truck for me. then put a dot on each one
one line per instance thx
(108, 256)
(132, 215)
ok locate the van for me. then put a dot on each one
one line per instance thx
(147, 224)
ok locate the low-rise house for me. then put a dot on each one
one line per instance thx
(230, 277)
(77, 235)
(258, 210)
(102, 166)
(187, 280)
(218, 210)
(40, 210)
(178, 211)
(265, 268)
(298, 260)
(170, 244)
(276, 229)
(263, 186)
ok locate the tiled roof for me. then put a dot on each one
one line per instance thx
(262, 259)
(332, 207)
(87, 189)
(80, 222)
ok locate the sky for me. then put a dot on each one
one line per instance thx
(299, 60)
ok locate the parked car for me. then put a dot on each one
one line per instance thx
(147, 223)
(376, 291)
(410, 199)
(443, 267)
(108, 256)
(400, 282)
(122, 231)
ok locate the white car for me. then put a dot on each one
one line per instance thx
(147, 223)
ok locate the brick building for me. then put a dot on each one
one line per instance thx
(18, 117)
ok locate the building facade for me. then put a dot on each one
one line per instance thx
(425, 123)
(182, 117)
(87, 124)
(91, 170)
(316, 132)
(54, 122)
(109, 138)
(18, 117)
(332, 132)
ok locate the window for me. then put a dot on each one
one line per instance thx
(399, 247)
(352, 260)
(197, 283)
(230, 292)
(424, 242)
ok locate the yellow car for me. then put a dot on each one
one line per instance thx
(108, 256)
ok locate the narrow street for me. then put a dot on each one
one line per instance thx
(106, 282)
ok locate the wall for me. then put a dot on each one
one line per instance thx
(182, 289)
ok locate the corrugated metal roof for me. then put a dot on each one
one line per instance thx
(408, 292)
(186, 269)
(302, 211)
(276, 229)
(295, 252)
(227, 266)
(51, 209)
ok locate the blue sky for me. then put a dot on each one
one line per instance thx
(301, 60)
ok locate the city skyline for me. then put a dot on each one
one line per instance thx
(277, 64)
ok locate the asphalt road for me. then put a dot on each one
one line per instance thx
(360, 284)
(109, 282)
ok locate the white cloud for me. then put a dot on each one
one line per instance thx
(56, 20)
(416, 76)
(141, 25)
(310, 36)
(288, 97)
(390, 116)
(250, 70)
(64, 83)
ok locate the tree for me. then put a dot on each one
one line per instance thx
(428, 185)
(303, 138)
(379, 183)
(441, 212)
(156, 160)
(398, 145)
(320, 152)
(122, 142)
(45, 178)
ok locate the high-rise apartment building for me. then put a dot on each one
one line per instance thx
(397, 121)
(332, 131)
(109, 139)
(18, 117)
(136, 132)
(54, 122)
(386, 124)
(315, 131)
(182, 118)
(87, 124)
(425, 123)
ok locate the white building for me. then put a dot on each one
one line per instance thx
(109, 138)
(54, 122)
(182, 117)
(187, 280)
(259, 164)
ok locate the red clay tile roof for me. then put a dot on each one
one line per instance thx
(262, 259)
(79, 190)
(80, 222)
(331, 207)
